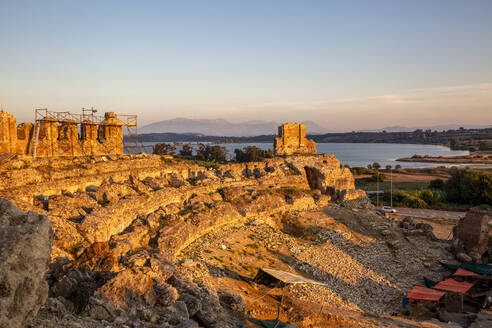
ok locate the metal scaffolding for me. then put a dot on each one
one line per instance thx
(88, 117)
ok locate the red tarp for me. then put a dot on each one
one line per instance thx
(465, 273)
(452, 285)
(419, 293)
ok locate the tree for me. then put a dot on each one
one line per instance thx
(186, 151)
(469, 188)
(164, 149)
(376, 165)
(252, 154)
(211, 153)
(388, 167)
(398, 167)
(369, 166)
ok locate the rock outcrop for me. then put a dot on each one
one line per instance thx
(25, 246)
(330, 178)
(292, 140)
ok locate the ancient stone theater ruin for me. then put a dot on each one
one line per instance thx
(292, 140)
(64, 134)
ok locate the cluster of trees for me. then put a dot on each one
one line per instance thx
(213, 153)
(204, 152)
(463, 187)
(470, 144)
(376, 166)
(419, 198)
(164, 149)
(210, 153)
(466, 187)
(252, 154)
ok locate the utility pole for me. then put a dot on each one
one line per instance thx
(391, 187)
(377, 189)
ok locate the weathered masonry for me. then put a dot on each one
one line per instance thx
(65, 134)
(292, 140)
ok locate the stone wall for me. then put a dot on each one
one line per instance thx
(63, 139)
(292, 140)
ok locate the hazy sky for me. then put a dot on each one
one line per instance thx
(344, 64)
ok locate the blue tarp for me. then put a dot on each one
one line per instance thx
(429, 283)
(477, 268)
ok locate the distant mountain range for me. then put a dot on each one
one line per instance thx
(220, 127)
(399, 128)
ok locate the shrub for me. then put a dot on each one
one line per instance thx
(186, 151)
(437, 184)
(414, 202)
(164, 149)
(360, 170)
(380, 176)
(431, 197)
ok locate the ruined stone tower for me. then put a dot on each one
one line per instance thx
(111, 133)
(8, 133)
(292, 140)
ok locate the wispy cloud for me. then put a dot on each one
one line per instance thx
(471, 92)
(470, 104)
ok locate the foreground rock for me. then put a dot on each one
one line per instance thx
(25, 247)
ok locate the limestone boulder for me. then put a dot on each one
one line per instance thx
(104, 222)
(25, 247)
(127, 287)
(337, 182)
(98, 257)
(133, 237)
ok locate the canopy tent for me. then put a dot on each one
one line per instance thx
(465, 273)
(452, 285)
(277, 277)
(419, 293)
(473, 267)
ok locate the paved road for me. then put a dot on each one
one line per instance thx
(421, 213)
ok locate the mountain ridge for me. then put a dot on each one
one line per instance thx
(222, 127)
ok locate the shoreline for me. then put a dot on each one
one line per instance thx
(474, 158)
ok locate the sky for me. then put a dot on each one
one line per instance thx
(346, 65)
